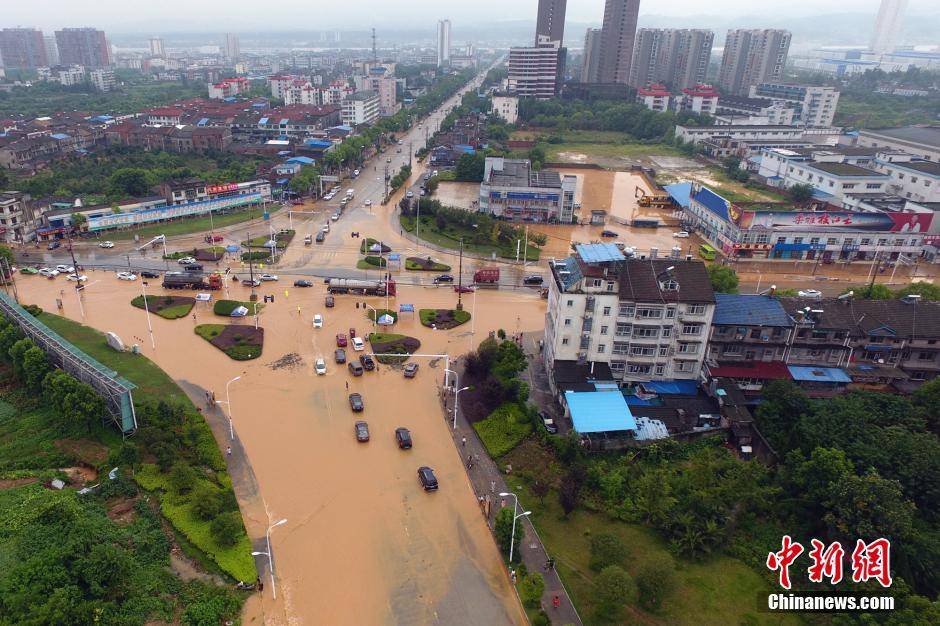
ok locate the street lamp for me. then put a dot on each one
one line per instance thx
(515, 507)
(456, 393)
(447, 380)
(268, 554)
(228, 401)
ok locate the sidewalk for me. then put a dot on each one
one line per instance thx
(482, 475)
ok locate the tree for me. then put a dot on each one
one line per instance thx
(800, 193)
(868, 507)
(611, 590)
(206, 500)
(569, 493)
(926, 399)
(537, 156)
(872, 292)
(655, 581)
(723, 279)
(128, 181)
(531, 588)
(540, 488)
(78, 220)
(227, 528)
(606, 550)
(782, 404)
(35, 367)
(6, 254)
(502, 529)
(105, 570)
(470, 167)
(182, 477)
(812, 480)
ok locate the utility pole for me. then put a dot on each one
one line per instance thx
(411, 152)
(460, 280)
(525, 245)
(386, 181)
(251, 274)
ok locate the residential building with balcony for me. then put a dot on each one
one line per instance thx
(362, 107)
(17, 222)
(647, 320)
(654, 97)
(814, 105)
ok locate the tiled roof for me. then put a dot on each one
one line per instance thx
(749, 310)
(861, 317)
(640, 281)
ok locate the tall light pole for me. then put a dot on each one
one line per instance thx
(457, 393)
(268, 554)
(143, 290)
(228, 401)
(515, 507)
(447, 380)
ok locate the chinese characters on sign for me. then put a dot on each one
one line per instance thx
(870, 561)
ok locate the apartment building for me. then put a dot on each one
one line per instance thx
(618, 35)
(506, 106)
(919, 141)
(676, 58)
(654, 97)
(813, 105)
(910, 177)
(23, 48)
(697, 99)
(647, 320)
(362, 107)
(511, 189)
(102, 79)
(87, 47)
(16, 217)
(751, 57)
(741, 110)
(536, 72)
(590, 62)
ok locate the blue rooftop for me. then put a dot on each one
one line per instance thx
(59, 136)
(672, 387)
(599, 411)
(712, 201)
(318, 143)
(302, 160)
(680, 193)
(819, 374)
(203, 121)
(599, 252)
(464, 148)
(749, 310)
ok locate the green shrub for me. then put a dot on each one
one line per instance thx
(531, 588)
(209, 331)
(227, 528)
(606, 550)
(234, 560)
(655, 581)
(206, 500)
(503, 429)
(376, 261)
(225, 307)
(182, 478)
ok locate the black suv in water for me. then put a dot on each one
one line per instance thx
(355, 402)
(367, 362)
(533, 280)
(443, 278)
(403, 437)
(427, 478)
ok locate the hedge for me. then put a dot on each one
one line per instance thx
(503, 429)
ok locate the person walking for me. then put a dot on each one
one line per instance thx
(463, 444)
(228, 450)
(492, 486)
(556, 601)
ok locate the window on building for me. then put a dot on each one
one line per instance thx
(865, 242)
(567, 321)
(663, 350)
(637, 368)
(873, 186)
(669, 285)
(601, 348)
(696, 309)
(641, 332)
(623, 330)
(621, 347)
(606, 310)
(617, 367)
(732, 349)
(626, 310)
(882, 242)
(688, 348)
(800, 239)
(643, 351)
(660, 370)
(570, 302)
(667, 332)
(670, 312)
(831, 241)
(692, 329)
(848, 241)
(781, 239)
(610, 286)
(564, 341)
(604, 330)
(684, 366)
(763, 238)
(645, 313)
(899, 242)
(913, 242)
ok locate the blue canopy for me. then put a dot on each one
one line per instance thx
(231, 248)
(599, 411)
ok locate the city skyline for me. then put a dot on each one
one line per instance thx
(107, 14)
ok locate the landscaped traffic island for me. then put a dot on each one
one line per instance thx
(167, 307)
(425, 264)
(241, 343)
(225, 308)
(443, 319)
(391, 343)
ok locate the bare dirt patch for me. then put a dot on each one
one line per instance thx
(122, 511)
(13, 483)
(85, 451)
(80, 475)
(573, 157)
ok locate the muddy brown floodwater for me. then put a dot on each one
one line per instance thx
(363, 543)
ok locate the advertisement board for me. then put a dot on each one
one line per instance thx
(213, 189)
(145, 216)
(835, 220)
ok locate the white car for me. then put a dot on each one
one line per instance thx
(48, 272)
(65, 268)
(358, 344)
(368, 202)
(682, 234)
(187, 260)
(126, 276)
(334, 217)
(106, 244)
(320, 367)
(809, 293)
(268, 277)
(203, 297)
(78, 278)
(318, 321)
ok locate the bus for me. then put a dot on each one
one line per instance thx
(707, 252)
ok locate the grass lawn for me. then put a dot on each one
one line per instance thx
(369, 242)
(167, 307)
(451, 239)
(152, 382)
(191, 225)
(570, 136)
(281, 239)
(225, 307)
(371, 263)
(717, 590)
(416, 264)
(240, 343)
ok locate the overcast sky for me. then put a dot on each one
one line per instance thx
(217, 15)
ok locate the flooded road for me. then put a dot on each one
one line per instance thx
(364, 544)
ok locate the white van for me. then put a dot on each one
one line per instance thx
(355, 173)
(350, 193)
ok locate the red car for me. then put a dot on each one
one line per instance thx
(297, 202)
(340, 340)
(352, 333)
(462, 289)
